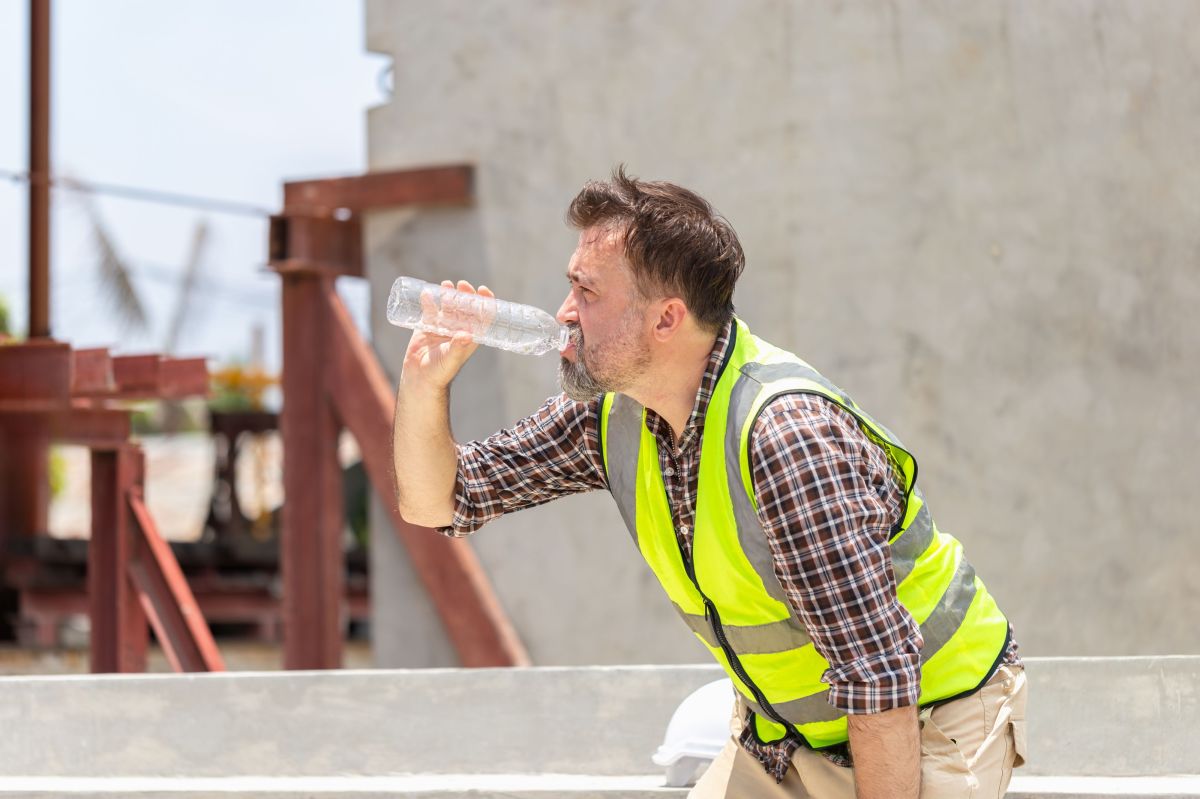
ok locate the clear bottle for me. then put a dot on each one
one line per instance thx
(491, 322)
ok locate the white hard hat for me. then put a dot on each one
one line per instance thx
(696, 733)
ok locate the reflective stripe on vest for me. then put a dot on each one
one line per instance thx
(734, 565)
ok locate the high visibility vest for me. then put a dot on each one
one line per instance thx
(728, 593)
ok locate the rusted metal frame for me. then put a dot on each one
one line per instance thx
(149, 377)
(311, 558)
(183, 377)
(36, 370)
(24, 477)
(39, 168)
(91, 372)
(239, 605)
(334, 245)
(97, 428)
(119, 632)
(235, 603)
(137, 373)
(461, 592)
(442, 185)
(166, 598)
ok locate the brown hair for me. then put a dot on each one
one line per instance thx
(674, 240)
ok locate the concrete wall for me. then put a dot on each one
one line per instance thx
(1096, 728)
(980, 219)
(1088, 717)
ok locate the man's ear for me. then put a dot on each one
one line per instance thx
(670, 318)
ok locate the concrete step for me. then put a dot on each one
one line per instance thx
(512, 786)
(342, 732)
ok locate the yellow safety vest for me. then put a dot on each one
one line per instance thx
(728, 593)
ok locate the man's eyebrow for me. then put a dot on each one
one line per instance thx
(577, 276)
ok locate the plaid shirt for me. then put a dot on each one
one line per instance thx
(827, 498)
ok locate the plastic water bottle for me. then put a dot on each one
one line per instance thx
(491, 322)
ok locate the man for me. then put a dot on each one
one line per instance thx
(782, 520)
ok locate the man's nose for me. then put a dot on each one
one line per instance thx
(568, 313)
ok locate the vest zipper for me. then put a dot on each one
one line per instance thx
(710, 609)
(735, 663)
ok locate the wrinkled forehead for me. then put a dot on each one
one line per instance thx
(601, 254)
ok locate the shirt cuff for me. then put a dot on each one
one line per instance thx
(876, 684)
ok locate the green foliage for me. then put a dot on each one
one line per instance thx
(58, 472)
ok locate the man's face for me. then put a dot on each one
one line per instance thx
(609, 349)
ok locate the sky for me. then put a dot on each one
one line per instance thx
(222, 99)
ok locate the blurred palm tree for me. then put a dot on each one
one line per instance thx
(116, 277)
(118, 284)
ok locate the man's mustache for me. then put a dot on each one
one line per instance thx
(576, 334)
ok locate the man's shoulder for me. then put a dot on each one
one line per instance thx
(795, 408)
(802, 417)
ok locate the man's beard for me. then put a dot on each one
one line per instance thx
(579, 383)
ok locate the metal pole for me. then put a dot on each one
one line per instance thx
(39, 168)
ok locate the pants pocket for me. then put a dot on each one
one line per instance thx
(944, 770)
(1018, 733)
(1017, 721)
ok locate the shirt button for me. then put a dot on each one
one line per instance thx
(669, 472)
(683, 529)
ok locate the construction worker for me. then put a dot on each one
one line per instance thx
(782, 520)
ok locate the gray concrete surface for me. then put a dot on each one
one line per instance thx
(517, 787)
(312, 724)
(1123, 717)
(979, 218)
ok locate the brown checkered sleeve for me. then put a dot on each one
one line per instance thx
(828, 500)
(550, 454)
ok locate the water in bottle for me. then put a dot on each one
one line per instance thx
(491, 322)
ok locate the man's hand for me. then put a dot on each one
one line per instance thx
(887, 754)
(425, 457)
(432, 361)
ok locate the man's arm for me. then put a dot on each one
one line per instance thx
(828, 500)
(456, 489)
(425, 458)
(887, 754)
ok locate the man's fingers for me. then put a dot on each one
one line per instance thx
(484, 291)
(428, 303)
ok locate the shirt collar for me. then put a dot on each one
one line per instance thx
(722, 348)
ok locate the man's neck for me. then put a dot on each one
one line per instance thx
(670, 389)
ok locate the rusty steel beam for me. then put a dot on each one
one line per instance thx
(97, 428)
(39, 169)
(473, 618)
(444, 185)
(151, 377)
(225, 604)
(91, 371)
(312, 561)
(136, 374)
(325, 243)
(24, 476)
(183, 377)
(35, 370)
(166, 598)
(119, 632)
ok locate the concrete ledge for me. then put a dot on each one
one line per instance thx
(1093, 717)
(603, 721)
(1114, 716)
(515, 786)
(415, 786)
(1024, 787)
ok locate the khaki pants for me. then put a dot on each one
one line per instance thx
(969, 748)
